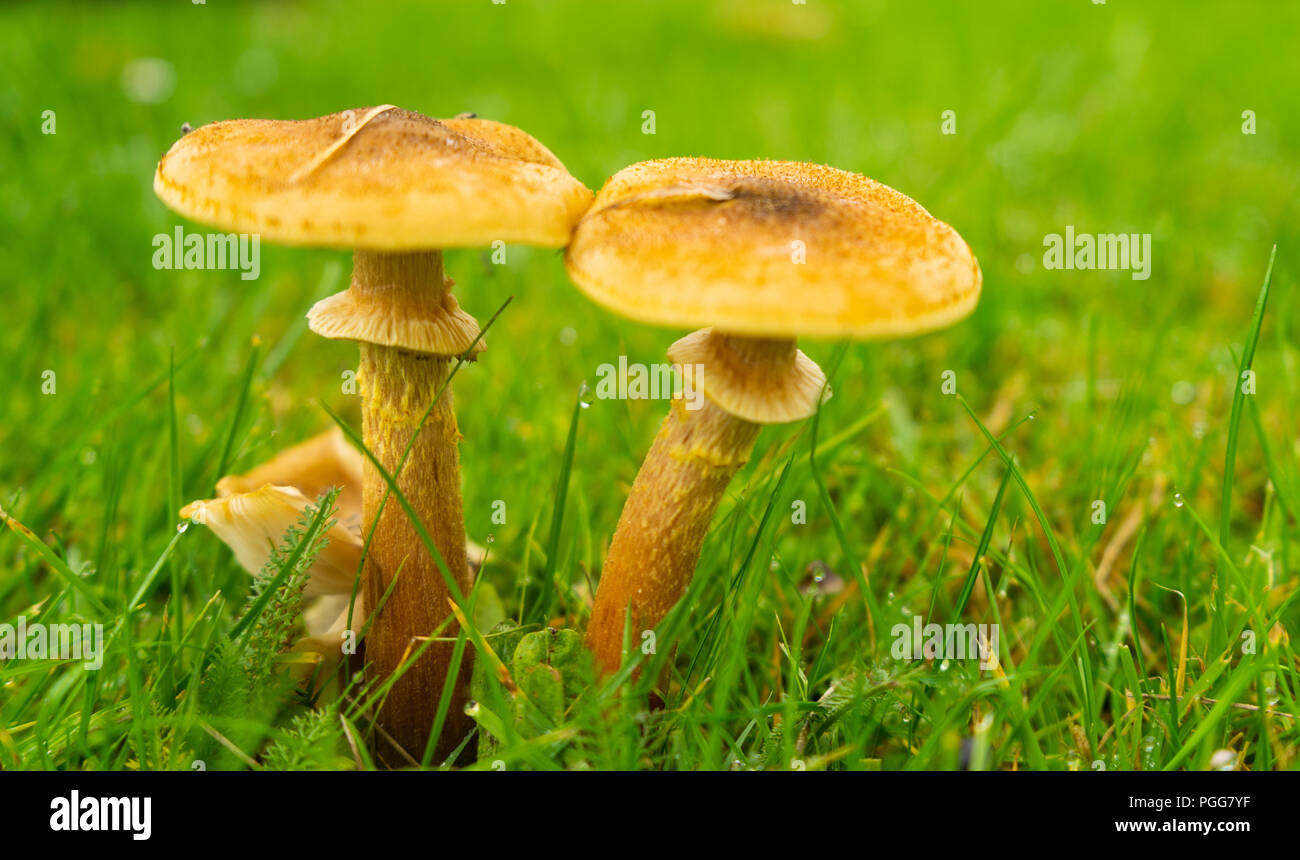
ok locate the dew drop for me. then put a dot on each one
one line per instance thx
(491, 538)
(182, 526)
(1223, 760)
(1178, 500)
(586, 396)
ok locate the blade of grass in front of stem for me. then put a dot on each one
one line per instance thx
(357, 441)
(542, 607)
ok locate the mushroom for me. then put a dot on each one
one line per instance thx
(396, 187)
(252, 512)
(760, 252)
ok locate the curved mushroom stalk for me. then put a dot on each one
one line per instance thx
(746, 382)
(655, 548)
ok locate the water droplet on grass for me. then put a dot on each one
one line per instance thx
(182, 526)
(1150, 750)
(1178, 500)
(586, 396)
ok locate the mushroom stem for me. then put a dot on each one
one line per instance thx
(397, 385)
(764, 353)
(406, 285)
(657, 543)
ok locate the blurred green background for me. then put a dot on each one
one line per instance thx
(1114, 118)
(1117, 117)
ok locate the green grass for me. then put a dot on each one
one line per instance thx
(1120, 642)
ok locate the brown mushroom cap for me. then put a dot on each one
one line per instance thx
(382, 179)
(700, 242)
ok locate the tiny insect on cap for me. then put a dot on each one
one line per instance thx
(770, 249)
(379, 178)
